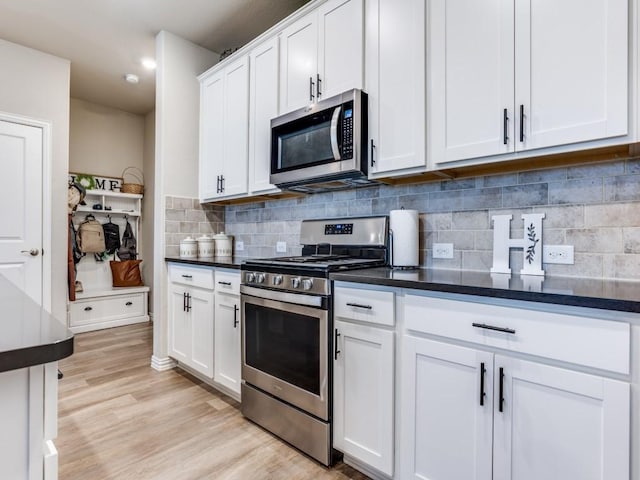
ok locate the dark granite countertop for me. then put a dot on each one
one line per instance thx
(225, 262)
(592, 293)
(28, 334)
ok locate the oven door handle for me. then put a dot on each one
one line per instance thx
(334, 133)
(296, 298)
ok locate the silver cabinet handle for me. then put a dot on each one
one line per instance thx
(34, 252)
(187, 276)
(224, 283)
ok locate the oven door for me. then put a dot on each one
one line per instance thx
(285, 352)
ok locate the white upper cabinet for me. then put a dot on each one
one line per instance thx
(508, 76)
(263, 106)
(224, 131)
(322, 54)
(395, 82)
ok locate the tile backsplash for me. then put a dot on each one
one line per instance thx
(186, 217)
(594, 207)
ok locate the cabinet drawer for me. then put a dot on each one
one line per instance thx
(587, 341)
(92, 310)
(365, 305)
(228, 281)
(201, 277)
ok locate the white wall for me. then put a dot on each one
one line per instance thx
(36, 85)
(177, 119)
(104, 141)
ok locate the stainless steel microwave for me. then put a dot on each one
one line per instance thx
(323, 146)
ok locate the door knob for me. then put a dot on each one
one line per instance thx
(33, 252)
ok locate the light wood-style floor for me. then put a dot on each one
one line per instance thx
(120, 419)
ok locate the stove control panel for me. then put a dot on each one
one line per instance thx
(287, 283)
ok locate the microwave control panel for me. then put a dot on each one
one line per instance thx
(347, 131)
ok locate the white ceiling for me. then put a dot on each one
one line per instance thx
(104, 39)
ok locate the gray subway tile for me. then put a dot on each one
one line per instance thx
(249, 215)
(539, 176)
(595, 240)
(605, 169)
(565, 216)
(586, 265)
(445, 201)
(171, 227)
(461, 184)
(461, 239)
(580, 191)
(174, 215)
(477, 261)
(622, 266)
(470, 220)
(633, 165)
(360, 207)
(182, 202)
(438, 221)
(168, 202)
(195, 216)
(482, 198)
(418, 202)
(631, 239)
(499, 180)
(612, 215)
(382, 206)
(622, 188)
(525, 195)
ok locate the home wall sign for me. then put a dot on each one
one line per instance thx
(94, 182)
(530, 243)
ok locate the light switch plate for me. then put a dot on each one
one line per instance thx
(558, 254)
(239, 246)
(281, 247)
(443, 250)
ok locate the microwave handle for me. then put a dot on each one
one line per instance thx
(334, 133)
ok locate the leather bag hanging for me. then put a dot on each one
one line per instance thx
(111, 237)
(126, 273)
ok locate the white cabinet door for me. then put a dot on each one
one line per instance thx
(559, 424)
(446, 421)
(227, 341)
(201, 315)
(340, 47)
(263, 98)
(179, 325)
(236, 128)
(571, 70)
(395, 82)
(471, 79)
(322, 54)
(299, 63)
(211, 135)
(363, 394)
(224, 131)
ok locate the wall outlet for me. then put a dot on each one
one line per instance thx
(558, 254)
(281, 247)
(239, 246)
(443, 250)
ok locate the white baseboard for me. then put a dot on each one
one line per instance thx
(162, 364)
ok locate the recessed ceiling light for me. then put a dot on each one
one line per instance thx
(131, 78)
(148, 63)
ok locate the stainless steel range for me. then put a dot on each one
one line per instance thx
(287, 319)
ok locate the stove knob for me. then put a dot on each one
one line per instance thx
(251, 277)
(277, 280)
(307, 283)
(295, 282)
(260, 278)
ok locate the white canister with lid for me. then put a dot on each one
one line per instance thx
(206, 246)
(224, 245)
(188, 248)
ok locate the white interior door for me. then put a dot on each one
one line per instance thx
(21, 165)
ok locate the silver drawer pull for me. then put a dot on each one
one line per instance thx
(88, 309)
(225, 283)
(368, 307)
(187, 276)
(128, 304)
(494, 328)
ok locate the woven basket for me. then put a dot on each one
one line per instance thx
(136, 174)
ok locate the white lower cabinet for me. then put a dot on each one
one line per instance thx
(468, 412)
(205, 322)
(191, 309)
(446, 422)
(364, 385)
(227, 341)
(191, 327)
